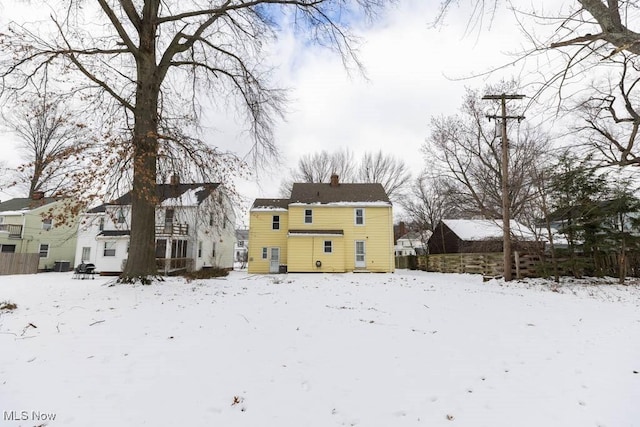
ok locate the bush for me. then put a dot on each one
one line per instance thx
(6, 305)
(206, 273)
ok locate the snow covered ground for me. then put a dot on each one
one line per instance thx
(403, 349)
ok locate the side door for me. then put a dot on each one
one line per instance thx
(274, 264)
(361, 261)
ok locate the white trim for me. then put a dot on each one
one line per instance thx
(355, 217)
(268, 210)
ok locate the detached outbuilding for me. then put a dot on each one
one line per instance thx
(452, 236)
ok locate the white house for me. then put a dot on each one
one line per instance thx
(194, 229)
(241, 247)
(411, 243)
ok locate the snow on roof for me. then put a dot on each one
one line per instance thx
(486, 229)
(188, 198)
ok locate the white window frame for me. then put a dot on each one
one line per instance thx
(355, 216)
(265, 253)
(275, 222)
(308, 217)
(330, 247)
(46, 251)
(112, 247)
(47, 223)
(121, 218)
(86, 250)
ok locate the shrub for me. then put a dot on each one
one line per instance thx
(7, 305)
(206, 273)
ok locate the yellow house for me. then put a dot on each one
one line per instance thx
(323, 227)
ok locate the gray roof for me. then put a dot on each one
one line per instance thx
(164, 192)
(325, 193)
(114, 233)
(25, 204)
(271, 203)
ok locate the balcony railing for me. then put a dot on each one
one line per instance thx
(14, 230)
(173, 229)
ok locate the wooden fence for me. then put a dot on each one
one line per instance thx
(487, 264)
(19, 263)
(524, 264)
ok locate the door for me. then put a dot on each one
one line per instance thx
(274, 265)
(360, 254)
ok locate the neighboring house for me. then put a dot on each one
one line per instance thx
(39, 225)
(323, 227)
(410, 243)
(241, 247)
(477, 236)
(194, 229)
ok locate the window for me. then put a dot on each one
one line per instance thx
(276, 222)
(121, 216)
(359, 214)
(47, 223)
(308, 216)
(200, 249)
(101, 225)
(8, 249)
(86, 253)
(44, 250)
(240, 243)
(328, 246)
(264, 253)
(168, 216)
(109, 249)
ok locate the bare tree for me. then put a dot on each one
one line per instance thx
(49, 132)
(387, 170)
(148, 61)
(466, 151)
(429, 202)
(378, 167)
(611, 114)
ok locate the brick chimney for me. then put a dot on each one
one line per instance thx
(37, 195)
(335, 180)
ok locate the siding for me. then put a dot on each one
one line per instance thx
(377, 232)
(304, 251)
(261, 235)
(60, 238)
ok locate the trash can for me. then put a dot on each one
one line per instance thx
(61, 266)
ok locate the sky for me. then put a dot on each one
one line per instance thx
(413, 72)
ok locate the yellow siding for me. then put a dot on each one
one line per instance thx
(377, 232)
(261, 235)
(305, 251)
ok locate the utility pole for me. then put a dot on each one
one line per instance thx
(506, 202)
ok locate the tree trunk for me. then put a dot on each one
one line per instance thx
(141, 262)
